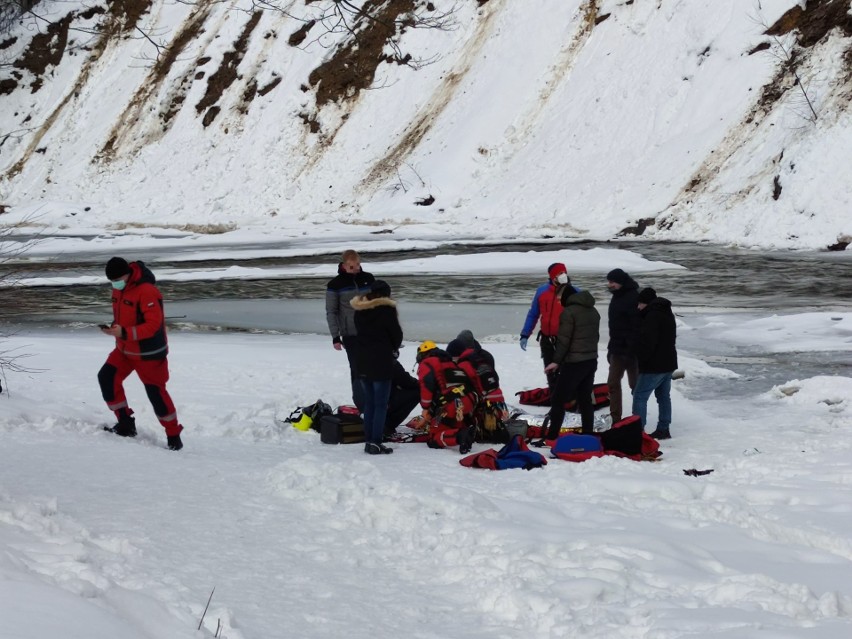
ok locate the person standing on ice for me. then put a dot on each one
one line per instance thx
(351, 280)
(374, 350)
(657, 356)
(546, 305)
(623, 331)
(139, 329)
(575, 360)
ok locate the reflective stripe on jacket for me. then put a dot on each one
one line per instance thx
(138, 310)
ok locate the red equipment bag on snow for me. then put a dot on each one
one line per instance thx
(515, 454)
(626, 438)
(541, 397)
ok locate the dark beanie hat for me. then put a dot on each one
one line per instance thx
(647, 295)
(456, 348)
(618, 276)
(380, 288)
(117, 267)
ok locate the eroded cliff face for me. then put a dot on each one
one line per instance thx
(606, 119)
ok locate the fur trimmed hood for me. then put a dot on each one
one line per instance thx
(361, 303)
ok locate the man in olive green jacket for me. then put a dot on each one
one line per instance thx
(576, 358)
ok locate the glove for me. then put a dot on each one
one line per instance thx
(524, 343)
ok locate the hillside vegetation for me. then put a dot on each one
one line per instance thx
(671, 119)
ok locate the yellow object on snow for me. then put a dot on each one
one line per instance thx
(303, 423)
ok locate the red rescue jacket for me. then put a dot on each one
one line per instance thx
(441, 380)
(138, 309)
(482, 374)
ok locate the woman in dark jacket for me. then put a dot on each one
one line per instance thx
(657, 357)
(376, 347)
(576, 357)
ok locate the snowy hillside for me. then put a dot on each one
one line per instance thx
(674, 119)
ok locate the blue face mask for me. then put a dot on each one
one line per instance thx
(119, 285)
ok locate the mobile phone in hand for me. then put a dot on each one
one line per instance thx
(104, 326)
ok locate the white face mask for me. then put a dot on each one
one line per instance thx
(562, 278)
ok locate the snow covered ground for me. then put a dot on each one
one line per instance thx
(104, 537)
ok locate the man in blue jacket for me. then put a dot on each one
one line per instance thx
(546, 305)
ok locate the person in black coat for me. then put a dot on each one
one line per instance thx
(404, 397)
(657, 359)
(376, 347)
(623, 331)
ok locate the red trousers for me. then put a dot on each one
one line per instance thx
(153, 373)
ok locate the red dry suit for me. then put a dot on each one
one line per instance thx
(143, 348)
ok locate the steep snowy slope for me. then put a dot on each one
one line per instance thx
(677, 119)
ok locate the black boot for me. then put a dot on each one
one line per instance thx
(377, 449)
(174, 442)
(465, 438)
(126, 427)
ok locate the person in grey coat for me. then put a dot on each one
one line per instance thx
(575, 358)
(351, 280)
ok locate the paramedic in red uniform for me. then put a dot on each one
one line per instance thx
(139, 328)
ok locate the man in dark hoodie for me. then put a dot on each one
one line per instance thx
(139, 328)
(623, 331)
(575, 358)
(657, 357)
(350, 281)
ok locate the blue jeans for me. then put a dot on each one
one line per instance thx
(661, 385)
(376, 396)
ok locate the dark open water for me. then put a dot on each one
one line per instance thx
(739, 284)
(715, 277)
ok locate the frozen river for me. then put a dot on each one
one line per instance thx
(718, 287)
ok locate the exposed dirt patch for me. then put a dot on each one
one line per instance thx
(158, 74)
(88, 14)
(638, 228)
(248, 96)
(763, 46)
(274, 82)
(45, 50)
(298, 36)
(7, 85)
(225, 75)
(352, 67)
(814, 21)
(811, 25)
(7, 43)
(210, 115)
(128, 12)
(427, 116)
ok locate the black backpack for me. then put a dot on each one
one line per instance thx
(315, 412)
